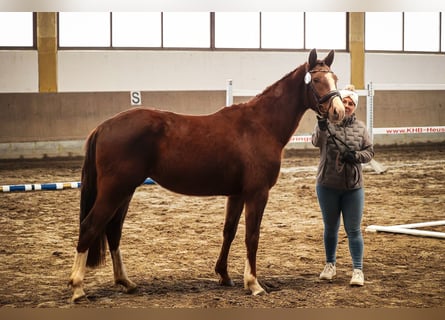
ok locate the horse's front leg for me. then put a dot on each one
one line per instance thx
(254, 213)
(234, 208)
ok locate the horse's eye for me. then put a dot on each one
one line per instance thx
(316, 80)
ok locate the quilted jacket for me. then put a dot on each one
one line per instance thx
(332, 171)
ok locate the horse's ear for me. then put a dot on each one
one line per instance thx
(329, 58)
(312, 59)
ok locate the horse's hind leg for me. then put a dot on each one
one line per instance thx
(92, 227)
(234, 208)
(114, 233)
(77, 275)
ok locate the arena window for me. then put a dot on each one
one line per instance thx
(203, 30)
(17, 30)
(404, 31)
(383, 31)
(186, 29)
(326, 30)
(237, 30)
(282, 30)
(421, 31)
(84, 29)
(136, 29)
(442, 32)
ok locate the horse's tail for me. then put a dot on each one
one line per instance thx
(88, 193)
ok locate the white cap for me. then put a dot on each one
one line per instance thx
(349, 92)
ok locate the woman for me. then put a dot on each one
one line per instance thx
(343, 148)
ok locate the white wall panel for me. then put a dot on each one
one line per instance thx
(179, 70)
(205, 70)
(391, 71)
(19, 71)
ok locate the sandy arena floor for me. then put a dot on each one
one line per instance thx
(170, 242)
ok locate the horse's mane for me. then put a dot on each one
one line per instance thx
(266, 91)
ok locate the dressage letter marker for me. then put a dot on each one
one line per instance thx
(135, 98)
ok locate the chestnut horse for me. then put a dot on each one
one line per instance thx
(234, 152)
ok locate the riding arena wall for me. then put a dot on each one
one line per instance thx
(94, 86)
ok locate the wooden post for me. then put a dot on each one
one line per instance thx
(357, 48)
(47, 51)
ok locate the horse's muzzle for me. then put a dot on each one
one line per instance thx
(336, 112)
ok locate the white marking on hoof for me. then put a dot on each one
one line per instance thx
(78, 274)
(256, 289)
(120, 275)
(251, 282)
(78, 294)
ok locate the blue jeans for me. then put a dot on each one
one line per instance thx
(349, 204)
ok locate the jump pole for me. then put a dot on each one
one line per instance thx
(50, 186)
(410, 229)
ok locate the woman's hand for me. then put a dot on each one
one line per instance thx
(322, 123)
(349, 156)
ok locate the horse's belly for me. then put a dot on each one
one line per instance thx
(194, 188)
(199, 184)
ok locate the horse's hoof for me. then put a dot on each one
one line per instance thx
(227, 283)
(129, 286)
(259, 292)
(255, 288)
(78, 295)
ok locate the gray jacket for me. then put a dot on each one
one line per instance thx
(332, 171)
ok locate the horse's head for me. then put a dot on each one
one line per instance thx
(321, 84)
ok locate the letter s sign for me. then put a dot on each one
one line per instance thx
(135, 98)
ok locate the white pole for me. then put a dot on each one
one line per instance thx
(422, 224)
(414, 232)
(370, 124)
(370, 111)
(229, 93)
